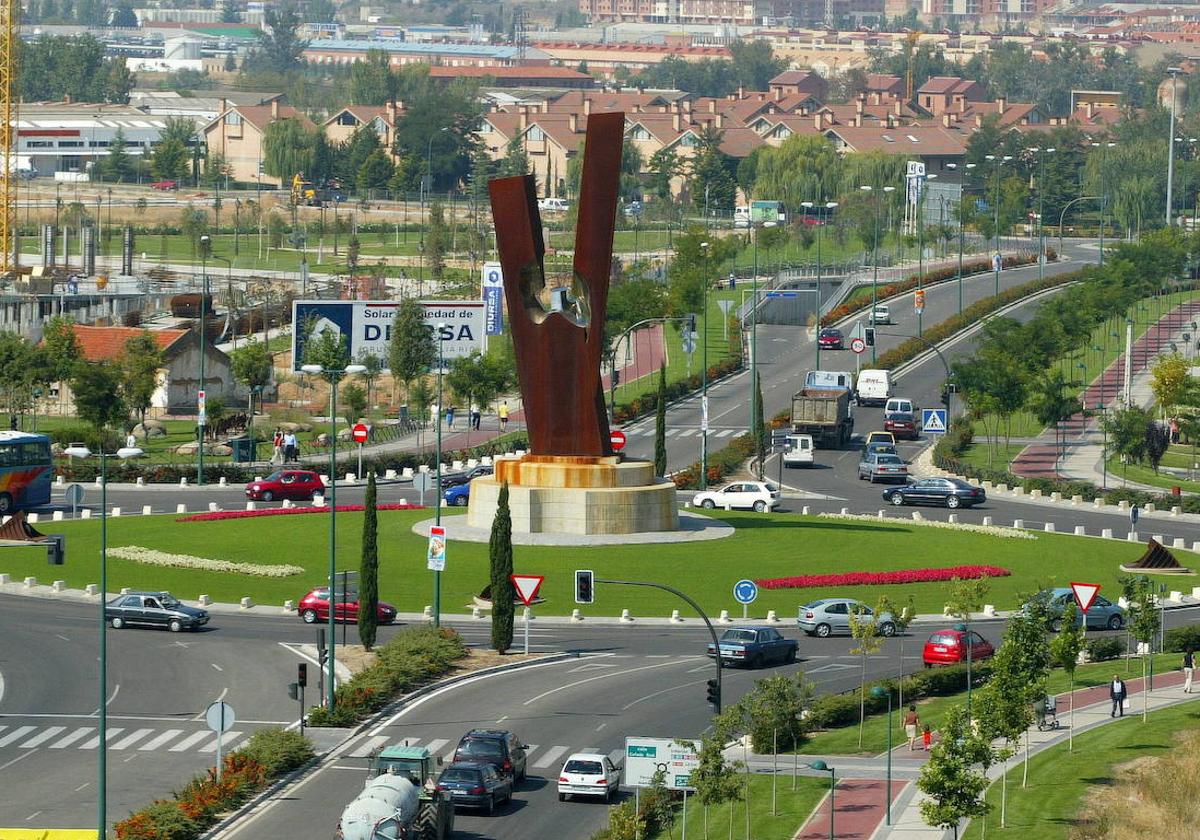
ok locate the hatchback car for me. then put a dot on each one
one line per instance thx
(951, 492)
(950, 647)
(588, 774)
(832, 615)
(498, 747)
(154, 609)
(830, 338)
(882, 466)
(297, 485)
(749, 495)
(473, 784)
(1103, 614)
(314, 608)
(754, 646)
(901, 424)
(458, 496)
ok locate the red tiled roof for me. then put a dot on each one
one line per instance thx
(910, 140)
(544, 71)
(103, 344)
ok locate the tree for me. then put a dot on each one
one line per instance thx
(864, 628)
(1020, 669)
(55, 67)
(1143, 617)
(372, 81)
(949, 779)
(712, 171)
(375, 172)
(665, 167)
(326, 348)
(1125, 429)
(289, 148)
(117, 165)
(966, 597)
(716, 779)
(280, 47)
(515, 160)
(754, 64)
(412, 350)
(140, 365)
(15, 355)
(803, 167)
(1051, 401)
(447, 115)
(1171, 382)
(231, 12)
(170, 160)
(96, 387)
(436, 244)
(1065, 648)
(368, 570)
(374, 365)
(354, 401)
(216, 169)
(1158, 440)
(775, 712)
(251, 364)
(62, 346)
(503, 591)
(660, 422)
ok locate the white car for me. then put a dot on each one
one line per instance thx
(881, 314)
(751, 495)
(588, 774)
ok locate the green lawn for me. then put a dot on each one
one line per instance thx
(981, 454)
(793, 808)
(772, 545)
(1143, 474)
(1060, 779)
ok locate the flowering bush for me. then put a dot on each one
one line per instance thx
(218, 515)
(990, 530)
(881, 578)
(150, 557)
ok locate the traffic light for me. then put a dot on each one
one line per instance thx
(713, 689)
(869, 336)
(583, 586)
(302, 674)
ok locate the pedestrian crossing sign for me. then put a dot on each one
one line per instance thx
(933, 421)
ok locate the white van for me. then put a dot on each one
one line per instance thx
(874, 387)
(899, 404)
(553, 205)
(881, 313)
(798, 451)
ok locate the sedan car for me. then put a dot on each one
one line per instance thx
(830, 338)
(314, 608)
(456, 479)
(749, 495)
(588, 774)
(1103, 614)
(901, 424)
(950, 646)
(458, 495)
(881, 466)
(951, 492)
(754, 646)
(832, 615)
(297, 485)
(472, 784)
(154, 609)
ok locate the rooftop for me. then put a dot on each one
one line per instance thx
(100, 344)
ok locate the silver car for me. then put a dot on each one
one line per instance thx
(832, 615)
(882, 466)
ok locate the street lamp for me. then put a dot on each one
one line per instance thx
(1103, 147)
(1174, 71)
(704, 364)
(1041, 155)
(429, 174)
(1104, 448)
(921, 252)
(880, 691)
(332, 375)
(823, 212)
(125, 452)
(875, 260)
(999, 161)
(205, 246)
(822, 767)
(437, 510)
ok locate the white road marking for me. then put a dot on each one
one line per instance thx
(82, 786)
(436, 745)
(18, 758)
(549, 757)
(228, 738)
(16, 735)
(161, 740)
(502, 719)
(108, 736)
(61, 636)
(369, 746)
(190, 741)
(601, 726)
(663, 691)
(31, 816)
(43, 736)
(63, 743)
(131, 739)
(111, 698)
(547, 693)
(215, 665)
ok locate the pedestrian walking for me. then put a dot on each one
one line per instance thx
(1189, 663)
(911, 721)
(291, 448)
(277, 447)
(450, 417)
(1117, 693)
(503, 412)
(927, 737)
(476, 416)
(435, 413)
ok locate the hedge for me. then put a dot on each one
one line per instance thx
(648, 403)
(1179, 639)
(1105, 648)
(413, 657)
(721, 463)
(268, 754)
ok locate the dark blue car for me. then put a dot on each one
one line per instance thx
(754, 646)
(475, 785)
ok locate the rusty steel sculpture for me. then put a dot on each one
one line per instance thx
(558, 325)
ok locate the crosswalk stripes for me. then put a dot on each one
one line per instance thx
(162, 740)
(226, 742)
(724, 433)
(369, 746)
(550, 756)
(32, 736)
(16, 735)
(94, 743)
(436, 745)
(63, 743)
(686, 432)
(130, 739)
(190, 741)
(43, 737)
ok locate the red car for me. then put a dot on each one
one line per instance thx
(163, 185)
(314, 608)
(830, 338)
(901, 424)
(297, 485)
(949, 647)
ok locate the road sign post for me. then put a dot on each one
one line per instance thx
(360, 432)
(75, 498)
(745, 592)
(617, 439)
(220, 719)
(527, 587)
(421, 483)
(933, 421)
(725, 306)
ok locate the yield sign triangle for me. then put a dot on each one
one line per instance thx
(527, 586)
(1085, 594)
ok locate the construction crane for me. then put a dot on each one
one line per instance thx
(910, 42)
(10, 13)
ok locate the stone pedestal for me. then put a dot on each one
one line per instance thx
(576, 495)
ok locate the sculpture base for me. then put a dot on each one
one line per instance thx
(575, 495)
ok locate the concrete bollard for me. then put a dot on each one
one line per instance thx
(86, 513)
(1077, 500)
(183, 481)
(1180, 543)
(917, 517)
(351, 478)
(1106, 533)
(882, 513)
(1098, 502)
(989, 610)
(987, 485)
(147, 510)
(30, 582)
(805, 511)
(1175, 511)
(472, 463)
(1035, 493)
(1132, 536)
(287, 503)
(424, 468)
(258, 478)
(59, 480)
(675, 619)
(1049, 528)
(1018, 490)
(141, 482)
(576, 615)
(845, 511)
(60, 585)
(1196, 591)
(987, 521)
(1056, 496)
(1018, 523)
(251, 506)
(1150, 507)
(772, 617)
(1080, 531)
(325, 479)
(456, 466)
(626, 618)
(32, 518)
(389, 475)
(1002, 487)
(91, 590)
(1174, 595)
(476, 612)
(99, 483)
(181, 508)
(427, 612)
(406, 473)
(212, 507)
(1196, 547)
(288, 607)
(952, 519)
(1158, 538)
(724, 618)
(318, 500)
(5, 579)
(222, 482)
(246, 603)
(1123, 504)
(204, 600)
(115, 512)
(57, 516)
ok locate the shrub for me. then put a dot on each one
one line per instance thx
(1106, 647)
(834, 711)
(1179, 639)
(164, 820)
(279, 751)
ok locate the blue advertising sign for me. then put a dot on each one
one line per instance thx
(493, 298)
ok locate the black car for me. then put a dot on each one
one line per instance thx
(154, 609)
(474, 784)
(457, 479)
(951, 492)
(498, 747)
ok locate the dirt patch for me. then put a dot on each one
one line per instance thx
(356, 658)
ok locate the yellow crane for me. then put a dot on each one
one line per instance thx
(10, 13)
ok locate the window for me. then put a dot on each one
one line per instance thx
(10, 456)
(535, 134)
(836, 609)
(233, 118)
(40, 144)
(70, 144)
(639, 133)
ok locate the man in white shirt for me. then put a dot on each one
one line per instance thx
(1117, 693)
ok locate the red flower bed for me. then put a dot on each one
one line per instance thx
(878, 578)
(217, 515)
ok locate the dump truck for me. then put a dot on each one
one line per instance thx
(400, 800)
(825, 414)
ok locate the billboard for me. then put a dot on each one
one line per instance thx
(646, 756)
(368, 325)
(492, 283)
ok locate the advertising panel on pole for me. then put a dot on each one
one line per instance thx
(368, 325)
(646, 756)
(915, 181)
(436, 558)
(492, 284)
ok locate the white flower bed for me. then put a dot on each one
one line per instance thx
(990, 530)
(149, 556)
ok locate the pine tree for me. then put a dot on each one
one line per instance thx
(503, 592)
(660, 424)
(435, 242)
(368, 570)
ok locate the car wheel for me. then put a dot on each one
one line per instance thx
(176, 625)
(309, 616)
(791, 657)
(562, 797)
(461, 501)
(760, 506)
(1056, 625)
(118, 623)
(823, 631)
(268, 496)
(708, 504)
(953, 502)
(1116, 622)
(491, 806)
(887, 629)
(896, 499)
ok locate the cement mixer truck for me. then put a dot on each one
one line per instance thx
(400, 800)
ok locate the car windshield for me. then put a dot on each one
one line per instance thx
(900, 417)
(814, 605)
(460, 774)
(275, 476)
(737, 636)
(480, 748)
(771, 487)
(943, 639)
(170, 602)
(585, 768)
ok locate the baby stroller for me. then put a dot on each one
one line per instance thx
(1047, 714)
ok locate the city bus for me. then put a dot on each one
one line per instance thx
(25, 471)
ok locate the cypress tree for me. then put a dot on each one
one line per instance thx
(760, 428)
(503, 591)
(368, 570)
(660, 424)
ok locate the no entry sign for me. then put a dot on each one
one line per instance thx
(360, 433)
(617, 439)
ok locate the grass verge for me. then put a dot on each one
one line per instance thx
(793, 808)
